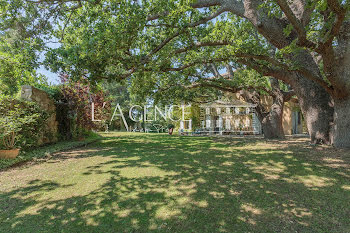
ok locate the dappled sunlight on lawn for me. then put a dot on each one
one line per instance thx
(315, 181)
(140, 182)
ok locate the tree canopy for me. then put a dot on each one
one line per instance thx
(303, 43)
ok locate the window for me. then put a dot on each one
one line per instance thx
(207, 111)
(228, 124)
(208, 124)
(237, 111)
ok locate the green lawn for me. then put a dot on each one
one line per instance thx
(149, 182)
(45, 151)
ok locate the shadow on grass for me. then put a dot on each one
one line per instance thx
(189, 184)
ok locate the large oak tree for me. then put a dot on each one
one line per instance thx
(109, 39)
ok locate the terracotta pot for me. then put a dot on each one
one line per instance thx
(9, 154)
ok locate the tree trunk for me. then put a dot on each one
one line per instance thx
(272, 122)
(317, 108)
(342, 123)
(315, 102)
(272, 128)
(341, 128)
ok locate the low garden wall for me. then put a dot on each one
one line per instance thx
(31, 93)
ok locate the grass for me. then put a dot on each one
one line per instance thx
(45, 151)
(149, 182)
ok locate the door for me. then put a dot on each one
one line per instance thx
(295, 122)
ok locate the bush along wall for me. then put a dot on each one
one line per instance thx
(26, 119)
(30, 93)
(73, 101)
(45, 116)
(63, 112)
(76, 101)
(68, 113)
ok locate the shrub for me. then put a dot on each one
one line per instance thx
(78, 97)
(54, 91)
(21, 120)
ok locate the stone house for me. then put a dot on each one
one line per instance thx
(235, 116)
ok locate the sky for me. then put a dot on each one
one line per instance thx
(52, 77)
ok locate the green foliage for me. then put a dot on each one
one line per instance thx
(14, 73)
(54, 91)
(111, 39)
(106, 39)
(22, 121)
(89, 47)
(18, 64)
(195, 116)
(22, 26)
(78, 97)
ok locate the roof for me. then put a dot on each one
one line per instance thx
(227, 104)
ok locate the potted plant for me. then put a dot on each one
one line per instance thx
(10, 125)
(9, 142)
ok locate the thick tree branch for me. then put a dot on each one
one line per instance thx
(193, 64)
(335, 6)
(215, 70)
(287, 96)
(297, 24)
(328, 53)
(230, 71)
(206, 3)
(181, 31)
(301, 70)
(280, 74)
(157, 16)
(200, 45)
(203, 84)
(233, 6)
(291, 17)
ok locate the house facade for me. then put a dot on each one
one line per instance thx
(237, 117)
(229, 117)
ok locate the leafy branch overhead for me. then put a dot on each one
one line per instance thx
(148, 31)
(303, 43)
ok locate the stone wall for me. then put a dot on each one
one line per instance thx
(46, 103)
